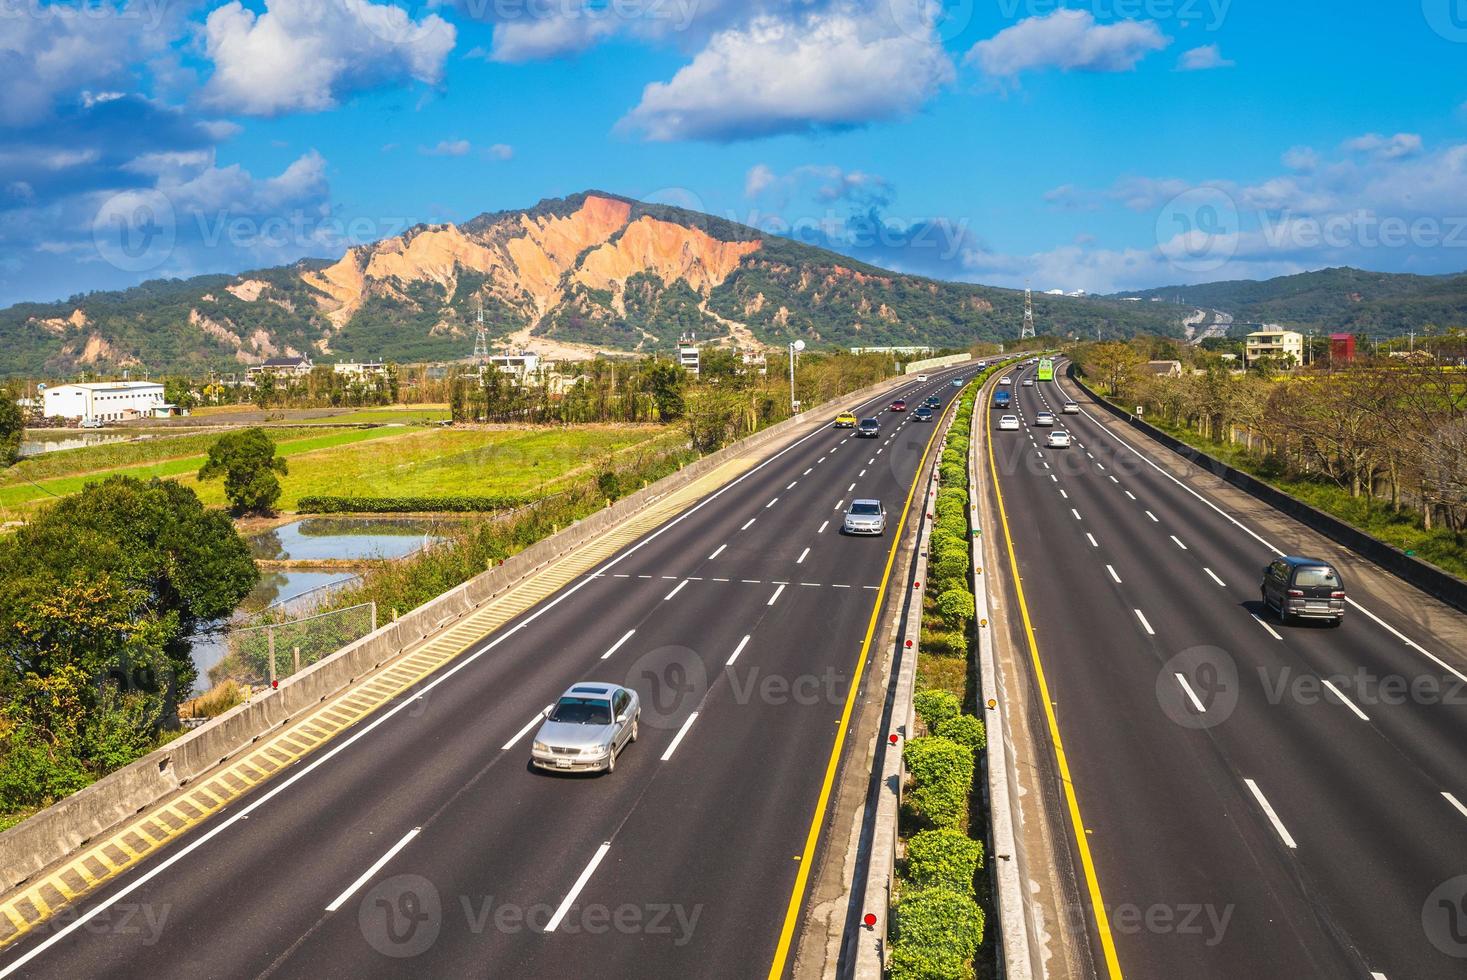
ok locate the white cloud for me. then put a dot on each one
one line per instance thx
(500, 151)
(759, 179)
(447, 148)
(832, 69)
(1070, 40)
(1386, 148)
(1301, 159)
(52, 56)
(306, 55)
(1201, 59)
(537, 38)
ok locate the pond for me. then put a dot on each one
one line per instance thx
(345, 539)
(39, 441)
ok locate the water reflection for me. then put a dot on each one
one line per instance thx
(345, 538)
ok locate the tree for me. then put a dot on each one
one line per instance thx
(247, 461)
(264, 389)
(1113, 363)
(120, 552)
(666, 381)
(12, 427)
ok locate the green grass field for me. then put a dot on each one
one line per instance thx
(447, 462)
(389, 416)
(34, 481)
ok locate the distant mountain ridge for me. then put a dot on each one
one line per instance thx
(1340, 299)
(568, 277)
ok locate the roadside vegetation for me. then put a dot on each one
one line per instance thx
(1379, 444)
(98, 595)
(938, 918)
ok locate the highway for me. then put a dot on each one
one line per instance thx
(1259, 800)
(421, 842)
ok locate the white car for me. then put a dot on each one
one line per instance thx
(1005, 380)
(1044, 418)
(865, 517)
(1009, 423)
(1071, 408)
(1058, 439)
(921, 378)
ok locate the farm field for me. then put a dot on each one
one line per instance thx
(448, 462)
(38, 479)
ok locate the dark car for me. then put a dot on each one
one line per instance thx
(1303, 588)
(923, 414)
(933, 402)
(868, 429)
(900, 405)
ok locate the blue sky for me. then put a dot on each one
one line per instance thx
(1112, 145)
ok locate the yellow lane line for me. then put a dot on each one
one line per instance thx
(1087, 863)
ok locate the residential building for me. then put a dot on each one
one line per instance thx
(1275, 343)
(109, 401)
(1164, 369)
(360, 369)
(519, 366)
(283, 367)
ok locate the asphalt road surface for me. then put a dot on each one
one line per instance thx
(1260, 800)
(421, 843)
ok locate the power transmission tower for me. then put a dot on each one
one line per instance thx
(481, 340)
(1027, 330)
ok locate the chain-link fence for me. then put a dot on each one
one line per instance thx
(266, 653)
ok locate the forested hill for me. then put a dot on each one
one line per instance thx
(569, 276)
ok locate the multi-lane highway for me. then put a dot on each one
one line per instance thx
(1258, 800)
(422, 843)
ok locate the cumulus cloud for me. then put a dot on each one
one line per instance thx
(1201, 59)
(1386, 147)
(68, 58)
(1301, 159)
(1070, 40)
(829, 70)
(500, 151)
(307, 55)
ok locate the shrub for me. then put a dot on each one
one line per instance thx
(953, 475)
(950, 565)
(956, 607)
(965, 730)
(942, 778)
(943, 538)
(954, 524)
(914, 962)
(406, 505)
(938, 920)
(943, 859)
(936, 707)
(941, 643)
(953, 493)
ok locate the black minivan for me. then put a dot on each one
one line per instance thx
(1304, 588)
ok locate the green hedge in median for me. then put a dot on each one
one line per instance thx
(935, 934)
(942, 778)
(943, 859)
(936, 707)
(965, 730)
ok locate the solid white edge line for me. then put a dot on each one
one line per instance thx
(1191, 694)
(464, 661)
(774, 598)
(675, 590)
(1347, 702)
(678, 738)
(618, 644)
(1456, 803)
(1213, 575)
(377, 866)
(1273, 818)
(1114, 577)
(1142, 616)
(1259, 620)
(718, 552)
(576, 888)
(737, 650)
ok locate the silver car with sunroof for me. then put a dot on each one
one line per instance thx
(586, 728)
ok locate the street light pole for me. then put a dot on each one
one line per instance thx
(795, 348)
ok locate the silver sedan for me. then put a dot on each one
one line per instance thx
(586, 728)
(865, 517)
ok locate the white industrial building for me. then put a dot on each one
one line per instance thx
(109, 401)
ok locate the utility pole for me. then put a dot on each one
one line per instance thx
(481, 338)
(795, 348)
(1027, 330)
